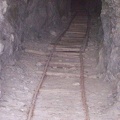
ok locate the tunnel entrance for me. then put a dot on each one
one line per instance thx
(29, 30)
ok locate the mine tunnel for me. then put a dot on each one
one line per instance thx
(59, 59)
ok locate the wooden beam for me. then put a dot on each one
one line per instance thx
(59, 74)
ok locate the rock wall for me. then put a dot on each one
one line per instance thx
(27, 19)
(111, 44)
(109, 55)
(44, 16)
(9, 39)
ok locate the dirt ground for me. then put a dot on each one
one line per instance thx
(19, 81)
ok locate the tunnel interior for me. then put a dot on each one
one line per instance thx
(91, 7)
(37, 23)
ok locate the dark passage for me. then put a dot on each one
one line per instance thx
(91, 7)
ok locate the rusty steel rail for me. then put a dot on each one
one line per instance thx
(83, 90)
(37, 90)
(82, 78)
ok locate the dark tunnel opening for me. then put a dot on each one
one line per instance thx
(92, 7)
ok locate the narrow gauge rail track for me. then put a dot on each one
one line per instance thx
(67, 59)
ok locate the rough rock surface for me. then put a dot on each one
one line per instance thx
(110, 51)
(25, 20)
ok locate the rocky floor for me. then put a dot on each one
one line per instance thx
(99, 92)
(19, 81)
